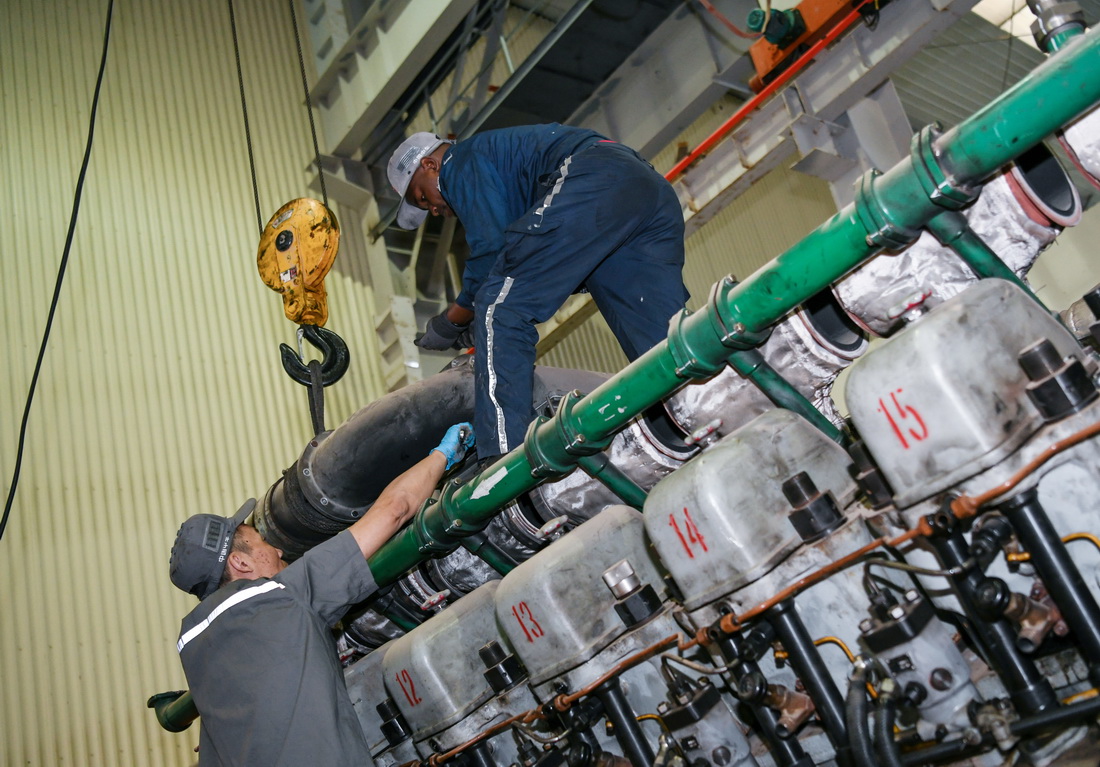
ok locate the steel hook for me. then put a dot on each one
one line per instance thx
(335, 357)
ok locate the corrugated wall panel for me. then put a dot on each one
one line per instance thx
(161, 393)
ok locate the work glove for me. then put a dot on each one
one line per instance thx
(458, 439)
(441, 334)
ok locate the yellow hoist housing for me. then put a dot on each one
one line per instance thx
(297, 248)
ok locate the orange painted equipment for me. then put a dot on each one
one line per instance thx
(297, 248)
(819, 16)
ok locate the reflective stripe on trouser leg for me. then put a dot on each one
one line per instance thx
(502, 436)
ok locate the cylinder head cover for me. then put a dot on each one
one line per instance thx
(555, 608)
(946, 398)
(721, 522)
(434, 673)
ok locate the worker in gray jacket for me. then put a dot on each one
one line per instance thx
(258, 651)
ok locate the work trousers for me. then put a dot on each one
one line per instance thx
(608, 223)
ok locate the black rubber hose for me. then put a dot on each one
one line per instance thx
(859, 733)
(887, 749)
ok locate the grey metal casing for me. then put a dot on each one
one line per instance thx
(945, 398)
(434, 673)
(721, 522)
(555, 608)
(367, 689)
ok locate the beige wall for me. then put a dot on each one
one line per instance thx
(161, 391)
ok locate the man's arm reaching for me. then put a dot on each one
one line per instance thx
(405, 494)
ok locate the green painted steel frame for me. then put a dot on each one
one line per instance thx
(943, 172)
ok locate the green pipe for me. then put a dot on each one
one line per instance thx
(942, 172)
(752, 365)
(482, 548)
(952, 229)
(599, 468)
(1058, 40)
(175, 710)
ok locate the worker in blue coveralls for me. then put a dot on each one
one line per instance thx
(548, 210)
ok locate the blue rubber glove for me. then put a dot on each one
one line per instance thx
(458, 439)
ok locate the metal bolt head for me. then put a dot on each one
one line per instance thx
(305, 472)
(721, 756)
(941, 679)
(897, 612)
(324, 501)
(738, 328)
(866, 625)
(912, 595)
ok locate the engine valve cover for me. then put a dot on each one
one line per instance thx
(555, 608)
(946, 398)
(721, 522)
(434, 673)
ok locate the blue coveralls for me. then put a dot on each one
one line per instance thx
(549, 210)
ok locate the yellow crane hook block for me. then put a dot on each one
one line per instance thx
(297, 248)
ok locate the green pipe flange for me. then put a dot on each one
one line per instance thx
(874, 216)
(942, 189)
(569, 439)
(688, 365)
(736, 335)
(427, 542)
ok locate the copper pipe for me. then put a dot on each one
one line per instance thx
(563, 702)
(967, 506)
(1023, 556)
(730, 624)
(526, 718)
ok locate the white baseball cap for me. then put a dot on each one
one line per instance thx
(403, 164)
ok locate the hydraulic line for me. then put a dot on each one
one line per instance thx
(856, 709)
(967, 506)
(885, 746)
(1059, 574)
(811, 669)
(627, 730)
(1023, 556)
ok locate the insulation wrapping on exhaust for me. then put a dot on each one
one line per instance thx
(1019, 214)
(797, 351)
(1082, 139)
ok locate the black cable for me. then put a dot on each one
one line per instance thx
(859, 730)
(309, 104)
(60, 274)
(244, 112)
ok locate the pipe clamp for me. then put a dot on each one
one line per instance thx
(942, 189)
(566, 441)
